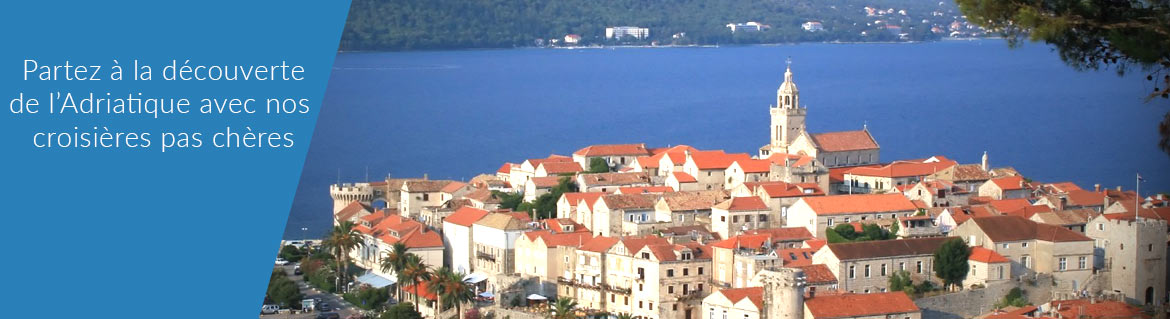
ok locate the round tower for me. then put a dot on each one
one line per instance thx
(346, 193)
(783, 293)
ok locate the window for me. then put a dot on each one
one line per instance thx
(1026, 261)
(763, 218)
(685, 290)
(901, 266)
(1025, 245)
(1100, 226)
(747, 219)
(674, 307)
(700, 270)
(851, 273)
(699, 288)
(670, 289)
(734, 219)
(919, 267)
(686, 271)
(639, 287)
(866, 271)
(1081, 262)
(1000, 272)
(883, 270)
(1006, 246)
(639, 304)
(1063, 263)
(627, 300)
(1150, 247)
(830, 222)
(670, 272)
(612, 298)
(722, 218)
(651, 306)
(426, 196)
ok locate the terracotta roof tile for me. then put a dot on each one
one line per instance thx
(1101, 309)
(887, 248)
(1009, 205)
(970, 173)
(555, 168)
(590, 198)
(845, 141)
(465, 216)
(615, 179)
(645, 190)
(754, 166)
(416, 186)
(709, 160)
(599, 244)
(749, 203)
(905, 168)
(818, 274)
(796, 257)
(1015, 228)
(1009, 183)
(754, 294)
(858, 203)
(859, 305)
(453, 187)
(985, 255)
(684, 177)
(782, 189)
(629, 201)
(613, 149)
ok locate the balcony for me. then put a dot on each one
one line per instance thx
(485, 256)
(846, 189)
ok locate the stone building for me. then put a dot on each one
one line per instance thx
(865, 267)
(740, 214)
(618, 156)
(495, 242)
(788, 134)
(1134, 253)
(1033, 247)
(820, 212)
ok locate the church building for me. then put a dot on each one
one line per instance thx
(832, 149)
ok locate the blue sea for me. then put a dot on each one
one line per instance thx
(456, 114)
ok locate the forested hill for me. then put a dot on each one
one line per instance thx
(455, 24)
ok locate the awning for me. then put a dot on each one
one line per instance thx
(536, 297)
(375, 280)
(487, 294)
(475, 278)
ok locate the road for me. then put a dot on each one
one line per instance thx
(340, 306)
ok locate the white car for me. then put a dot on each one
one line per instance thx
(269, 309)
(281, 262)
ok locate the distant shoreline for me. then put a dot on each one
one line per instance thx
(667, 46)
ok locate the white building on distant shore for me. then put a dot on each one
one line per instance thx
(750, 26)
(812, 26)
(621, 32)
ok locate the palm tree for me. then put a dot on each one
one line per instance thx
(415, 271)
(342, 239)
(435, 286)
(452, 289)
(393, 261)
(625, 316)
(563, 308)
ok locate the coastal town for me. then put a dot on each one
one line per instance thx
(813, 225)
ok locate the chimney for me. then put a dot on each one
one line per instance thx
(1118, 188)
(424, 176)
(1097, 187)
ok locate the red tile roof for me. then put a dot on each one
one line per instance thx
(465, 216)
(645, 190)
(709, 160)
(1009, 183)
(749, 203)
(574, 239)
(684, 177)
(616, 179)
(818, 274)
(797, 257)
(1101, 309)
(420, 290)
(554, 168)
(1079, 197)
(905, 168)
(754, 166)
(858, 203)
(1015, 228)
(985, 255)
(599, 244)
(613, 149)
(453, 187)
(1009, 205)
(887, 248)
(590, 198)
(506, 168)
(844, 141)
(785, 233)
(546, 181)
(858, 305)
(755, 294)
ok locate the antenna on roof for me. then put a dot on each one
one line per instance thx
(865, 125)
(367, 173)
(338, 176)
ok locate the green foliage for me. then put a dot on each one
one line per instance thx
(430, 24)
(950, 261)
(291, 253)
(1014, 298)
(900, 280)
(283, 291)
(509, 200)
(844, 233)
(1090, 35)
(403, 310)
(367, 298)
(563, 308)
(598, 165)
(545, 205)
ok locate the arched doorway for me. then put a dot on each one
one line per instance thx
(1149, 295)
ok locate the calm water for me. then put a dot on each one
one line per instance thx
(456, 114)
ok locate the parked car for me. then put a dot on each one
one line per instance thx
(324, 306)
(297, 270)
(328, 315)
(269, 309)
(281, 262)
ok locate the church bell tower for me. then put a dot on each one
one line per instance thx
(787, 114)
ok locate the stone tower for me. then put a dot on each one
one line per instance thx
(783, 293)
(787, 114)
(346, 193)
(1135, 255)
